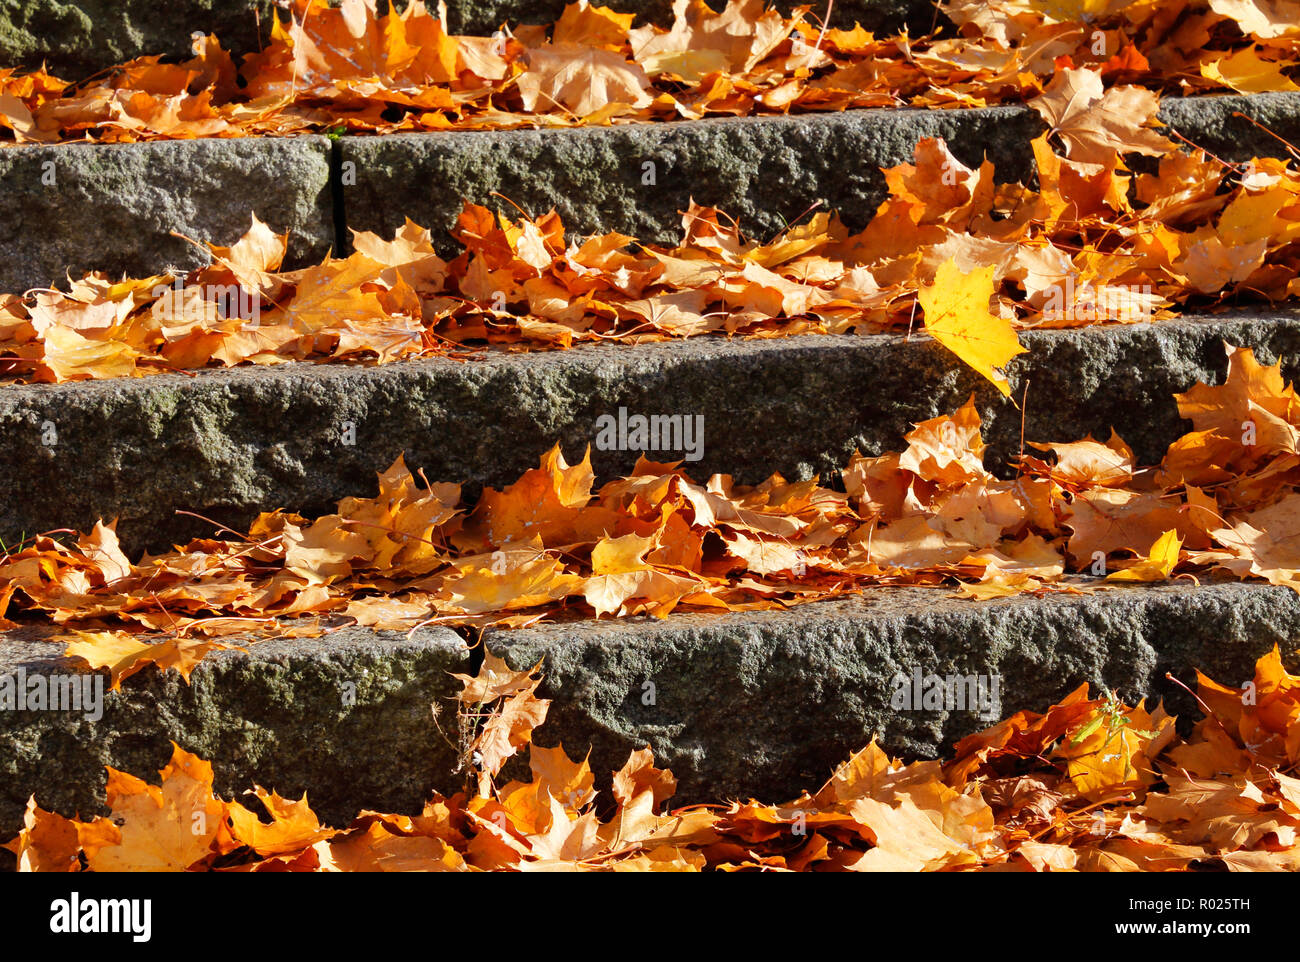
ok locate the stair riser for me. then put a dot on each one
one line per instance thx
(346, 718)
(750, 703)
(766, 172)
(637, 179)
(112, 207)
(767, 703)
(75, 208)
(231, 443)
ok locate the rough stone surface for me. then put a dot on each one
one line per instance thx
(76, 38)
(275, 716)
(765, 171)
(112, 207)
(769, 702)
(763, 702)
(1209, 122)
(232, 442)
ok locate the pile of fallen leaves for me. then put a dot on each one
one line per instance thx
(1093, 243)
(348, 66)
(1091, 785)
(1225, 501)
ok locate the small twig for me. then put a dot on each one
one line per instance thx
(1294, 151)
(1024, 406)
(216, 524)
(826, 22)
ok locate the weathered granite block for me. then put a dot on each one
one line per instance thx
(765, 171)
(229, 443)
(768, 702)
(75, 38)
(281, 715)
(82, 207)
(1208, 122)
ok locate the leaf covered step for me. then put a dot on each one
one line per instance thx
(348, 65)
(1090, 245)
(1223, 501)
(1091, 784)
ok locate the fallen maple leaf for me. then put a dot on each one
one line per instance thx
(166, 828)
(957, 315)
(124, 654)
(1097, 125)
(1158, 564)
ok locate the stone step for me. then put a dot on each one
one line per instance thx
(637, 178)
(76, 38)
(74, 208)
(346, 717)
(230, 443)
(747, 703)
(113, 207)
(771, 701)
(764, 171)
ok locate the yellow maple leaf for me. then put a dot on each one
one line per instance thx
(1159, 563)
(124, 654)
(1115, 748)
(1245, 72)
(68, 356)
(957, 315)
(1266, 19)
(1072, 10)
